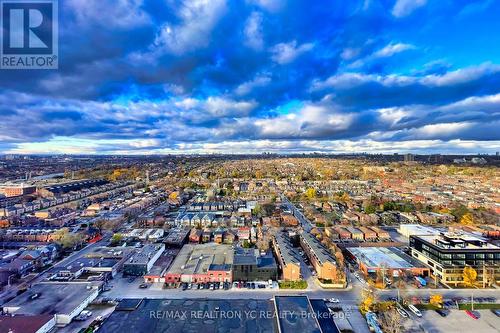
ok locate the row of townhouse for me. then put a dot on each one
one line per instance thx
(44, 203)
(202, 219)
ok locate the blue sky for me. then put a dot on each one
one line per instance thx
(215, 76)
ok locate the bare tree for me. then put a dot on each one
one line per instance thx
(390, 321)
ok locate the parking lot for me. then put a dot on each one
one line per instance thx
(456, 321)
(228, 285)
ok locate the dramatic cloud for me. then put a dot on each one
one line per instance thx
(179, 76)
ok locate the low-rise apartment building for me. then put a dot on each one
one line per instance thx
(321, 259)
(289, 263)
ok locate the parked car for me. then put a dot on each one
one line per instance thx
(143, 286)
(84, 315)
(496, 312)
(402, 313)
(472, 314)
(443, 312)
(334, 300)
(414, 310)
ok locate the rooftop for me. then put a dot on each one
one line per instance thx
(193, 315)
(290, 310)
(200, 258)
(288, 254)
(377, 256)
(457, 241)
(23, 324)
(319, 250)
(145, 254)
(54, 298)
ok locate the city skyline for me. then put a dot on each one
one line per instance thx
(179, 77)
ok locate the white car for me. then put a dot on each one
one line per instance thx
(334, 300)
(414, 310)
(402, 313)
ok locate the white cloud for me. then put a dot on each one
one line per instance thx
(198, 17)
(253, 31)
(269, 5)
(284, 53)
(351, 80)
(406, 7)
(122, 14)
(260, 80)
(393, 49)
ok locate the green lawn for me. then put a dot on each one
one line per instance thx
(479, 306)
(293, 284)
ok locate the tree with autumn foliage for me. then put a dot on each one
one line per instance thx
(469, 276)
(310, 193)
(467, 219)
(436, 300)
(367, 301)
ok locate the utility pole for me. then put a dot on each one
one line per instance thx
(472, 301)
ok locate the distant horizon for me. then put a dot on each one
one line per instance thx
(242, 77)
(254, 154)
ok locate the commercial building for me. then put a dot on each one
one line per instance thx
(391, 260)
(447, 254)
(250, 265)
(176, 237)
(64, 301)
(288, 260)
(141, 262)
(202, 263)
(322, 260)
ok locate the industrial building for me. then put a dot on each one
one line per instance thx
(141, 262)
(391, 260)
(202, 263)
(62, 300)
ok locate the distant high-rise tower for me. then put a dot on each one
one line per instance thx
(409, 158)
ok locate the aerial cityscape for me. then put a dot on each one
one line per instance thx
(249, 166)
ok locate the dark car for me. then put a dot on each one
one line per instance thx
(496, 312)
(143, 286)
(443, 312)
(184, 286)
